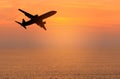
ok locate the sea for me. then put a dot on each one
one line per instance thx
(59, 64)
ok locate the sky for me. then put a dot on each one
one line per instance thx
(77, 24)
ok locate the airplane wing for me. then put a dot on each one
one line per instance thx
(26, 14)
(42, 25)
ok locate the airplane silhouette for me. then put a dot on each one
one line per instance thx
(35, 19)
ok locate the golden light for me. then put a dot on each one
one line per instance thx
(61, 20)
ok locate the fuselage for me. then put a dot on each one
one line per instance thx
(38, 19)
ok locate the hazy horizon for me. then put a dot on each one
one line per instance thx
(82, 40)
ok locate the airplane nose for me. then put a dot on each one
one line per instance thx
(54, 12)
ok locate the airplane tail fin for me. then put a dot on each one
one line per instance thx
(21, 23)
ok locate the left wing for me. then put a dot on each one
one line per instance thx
(26, 14)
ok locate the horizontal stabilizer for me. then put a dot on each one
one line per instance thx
(20, 24)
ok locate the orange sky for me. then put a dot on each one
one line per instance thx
(77, 23)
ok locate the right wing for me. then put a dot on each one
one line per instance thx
(42, 24)
(26, 14)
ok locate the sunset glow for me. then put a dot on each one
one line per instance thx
(82, 40)
(77, 23)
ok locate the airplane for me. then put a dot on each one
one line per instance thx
(35, 19)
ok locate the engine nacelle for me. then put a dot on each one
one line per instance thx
(44, 22)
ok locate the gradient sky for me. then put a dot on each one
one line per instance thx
(78, 23)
